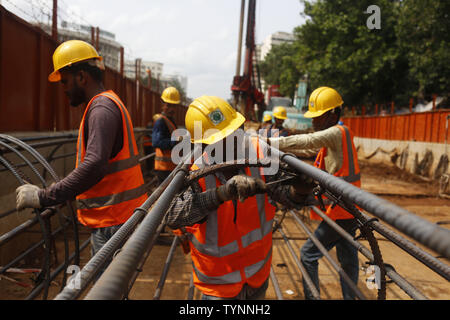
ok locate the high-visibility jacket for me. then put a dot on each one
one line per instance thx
(147, 141)
(163, 159)
(349, 172)
(232, 248)
(112, 200)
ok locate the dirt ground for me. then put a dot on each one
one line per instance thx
(404, 189)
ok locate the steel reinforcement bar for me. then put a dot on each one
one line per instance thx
(114, 283)
(428, 234)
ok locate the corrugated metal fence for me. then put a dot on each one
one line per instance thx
(425, 126)
(28, 102)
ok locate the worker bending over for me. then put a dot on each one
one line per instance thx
(107, 181)
(338, 157)
(230, 242)
(162, 132)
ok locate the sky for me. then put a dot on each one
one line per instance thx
(194, 38)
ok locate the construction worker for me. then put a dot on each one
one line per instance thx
(267, 121)
(162, 132)
(338, 157)
(107, 181)
(230, 242)
(147, 143)
(276, 129)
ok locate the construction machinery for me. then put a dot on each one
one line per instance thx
(246, 88)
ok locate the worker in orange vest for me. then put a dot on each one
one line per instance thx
(107, 181)
(230, 242)
(147, 142)
(338, 157)
(162, 134)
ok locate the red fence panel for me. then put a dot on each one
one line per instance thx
(424, 126)
(28, 102)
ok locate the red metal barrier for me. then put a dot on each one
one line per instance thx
(424, 126)
(28, 102)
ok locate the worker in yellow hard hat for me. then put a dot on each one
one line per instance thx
(230, 242)
(267, 121)
(148, 143)
(162, 133)
(338, 157)
(107, 181)
(276, 129)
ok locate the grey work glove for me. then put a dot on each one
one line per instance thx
(240, 187)
(27, 197)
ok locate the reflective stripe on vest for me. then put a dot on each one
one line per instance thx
(235, 276)
(211, 246)
(347, 172)
(163, 158)
(107, 202)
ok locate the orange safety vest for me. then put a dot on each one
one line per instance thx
(163, 159)
(147, 141)
(228, 252)
(112, 200)
(349, 172)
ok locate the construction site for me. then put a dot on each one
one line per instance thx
(402, 207)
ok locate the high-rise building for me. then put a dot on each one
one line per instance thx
(156, 69)
(273, 40)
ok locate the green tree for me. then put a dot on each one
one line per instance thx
(279, 68)
(423, 32)
(337, 49)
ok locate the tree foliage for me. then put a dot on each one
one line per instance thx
(407, 57)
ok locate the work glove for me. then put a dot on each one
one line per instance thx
(240, 187)
(302, 185)
(27, 197)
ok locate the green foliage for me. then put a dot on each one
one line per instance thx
(408, 56)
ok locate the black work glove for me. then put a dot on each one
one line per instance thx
(240, 187)
(302, 185)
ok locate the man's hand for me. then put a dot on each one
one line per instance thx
(27, 197)
(240, 187)
(302, 185)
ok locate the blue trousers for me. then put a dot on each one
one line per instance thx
(346, 253)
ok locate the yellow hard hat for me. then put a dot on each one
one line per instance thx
(156, 116)
(280, 112)
(322, 100)
(171, 95)
(71, 52)
(216, 117)
(267, 117)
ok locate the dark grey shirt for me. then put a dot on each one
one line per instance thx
(103, 140)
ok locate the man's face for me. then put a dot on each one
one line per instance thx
(169, 109)
(279, 122)
(328, 119)
(74, 92)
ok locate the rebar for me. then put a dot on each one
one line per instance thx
(165, 270)
(430, 235)
(300, 266)
(327, 256)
